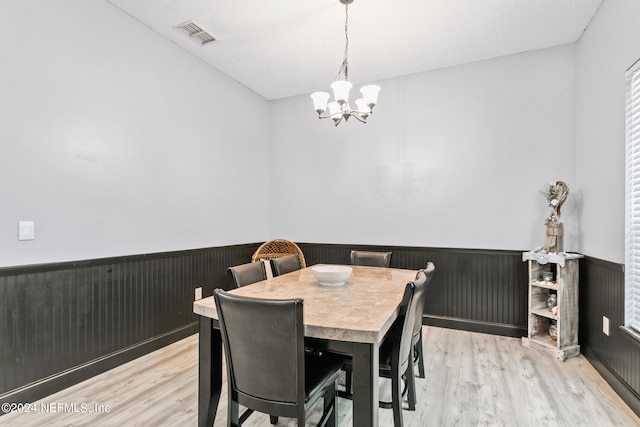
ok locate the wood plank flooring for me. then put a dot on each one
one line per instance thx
(472, 380)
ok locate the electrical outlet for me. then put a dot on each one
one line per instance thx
(198, 293)
(605, 325)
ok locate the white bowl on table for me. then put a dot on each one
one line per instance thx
(331, 275)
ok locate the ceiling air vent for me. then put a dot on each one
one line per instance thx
(194, 32)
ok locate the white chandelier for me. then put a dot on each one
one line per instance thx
(339, 108)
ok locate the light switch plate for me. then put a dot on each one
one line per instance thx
(605, 325)
(26, 230)
(198, 294)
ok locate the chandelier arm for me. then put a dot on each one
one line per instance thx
(328, 116)
(353, 113)
(356, 114)
(341, 117)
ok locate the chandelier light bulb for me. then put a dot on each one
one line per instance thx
(335, 110)
(341, 90)
(363, 108)
(370, 94)
(320, 100)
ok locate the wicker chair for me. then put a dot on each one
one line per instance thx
(277, 248)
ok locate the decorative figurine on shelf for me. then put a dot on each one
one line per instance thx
(553, 331)
(556, 194)
(552, 300)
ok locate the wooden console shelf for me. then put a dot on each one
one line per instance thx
(564, 286)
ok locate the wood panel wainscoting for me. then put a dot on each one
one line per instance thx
(472, 289)
(615, 356)
(65, 322)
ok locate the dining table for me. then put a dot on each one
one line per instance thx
(351, 319)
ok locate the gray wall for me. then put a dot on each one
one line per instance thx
(120, 143)
(116, 141)
(450, 158)
(609, 46)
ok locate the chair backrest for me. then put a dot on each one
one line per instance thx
(406, 341)
(420, 296)
(264, 345)
(246, 274)
(372, 259)
(276, 248)
(285, 264)
(401, 333)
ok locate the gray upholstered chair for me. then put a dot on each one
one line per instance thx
(285, 264)
(372, 259)
(396, 354)
(418, 356)
(246, 274)
(268, 369)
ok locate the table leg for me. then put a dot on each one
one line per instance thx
(365, 385)
(210, 372)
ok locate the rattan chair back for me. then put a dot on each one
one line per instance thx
(277, 248)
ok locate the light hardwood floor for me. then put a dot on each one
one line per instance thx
(472, 380)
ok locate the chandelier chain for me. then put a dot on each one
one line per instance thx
(344, 68)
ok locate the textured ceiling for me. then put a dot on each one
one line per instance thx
(281, 48)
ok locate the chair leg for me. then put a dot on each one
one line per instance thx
(232, 414)
(420, 356)
(273, 419)
(411, 387)
(396, 399)
(329, 413)
(348, 382)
